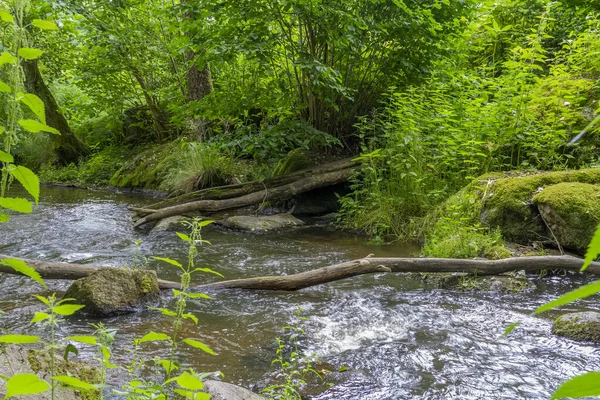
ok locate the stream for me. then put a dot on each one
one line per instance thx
(395, 337)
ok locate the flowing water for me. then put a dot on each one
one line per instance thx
(395, 338)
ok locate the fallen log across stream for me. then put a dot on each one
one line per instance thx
(276, 189)
(367, 265)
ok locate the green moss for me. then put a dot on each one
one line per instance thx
(578, 326)
(508, 203)
(496, 252)
(572, 212)
(295, 160)
(468, 282)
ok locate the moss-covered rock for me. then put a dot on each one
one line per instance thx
(464, 281)
(226, 391)
(571, 211)
(262, 224)
(114, 291)
(508, 202)
(581, 326)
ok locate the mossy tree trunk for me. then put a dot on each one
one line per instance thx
(67, 145)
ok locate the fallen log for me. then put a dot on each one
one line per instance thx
(373, 265)
(241, 189)
(57, 270)
(284, 192)
(68, 271)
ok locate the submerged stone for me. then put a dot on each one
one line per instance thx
(465, 281)
(169, 223)
(262, 224)
(581, 326)
(114, 291)
(227, 391)
(571, 211)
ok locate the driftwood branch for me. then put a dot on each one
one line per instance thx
(56, 270)
(279, 193)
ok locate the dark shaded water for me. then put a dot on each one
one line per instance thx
(397, 339)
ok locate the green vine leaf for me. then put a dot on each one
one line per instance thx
(74, 382)
(22, 267)
(199, 345)
(19, 339)
(34, 126)
(4, 88)
(29, 53)
(35, 104)
(577, 294)
(24, 384)
(7, 58)
(43, 24)
(581, 386)
(5, 157)
(6, 17)
(27, 179)
(16, 204)
(593, 250)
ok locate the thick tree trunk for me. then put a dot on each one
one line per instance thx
(231, 191)
(279, 193)
(158, 120)
(68, 147)
(54, 270)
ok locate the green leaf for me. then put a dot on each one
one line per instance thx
(167, 365)
(19, 339)
(39, 316)
(16, 204)
(29, 53)
(43, 24)
(4, 88)
(579, 293)
(198, 296)
(164, 311)
(4, 218)
(24, 384)
(190, 316)
(67, 309)
(154, 337)
(193, 395)
(84, 339)
(7, 58)
(511, 328)
(168, 260)
(593, 250)
(6, 17)
(27, 179)
(70, 349)
(205, 222)
(22, 267)
(187, 381)
(74, 382)
(35, 104)
(184, 237)
(5, 157)
(34, 126)
(42, 299)
(210, 271)
(581, 386)
(199, 345)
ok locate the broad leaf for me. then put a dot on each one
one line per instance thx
(168, 366)
(22, 267)
(6, 17)
(46, 25)
(24, 384)
(39, 316)
(164, 311)
(168, 260)
(593, 250)
(193, 395)
(7, 58)
(84, 339)
(210, 271)
(187, 381)
(29, 53)
(579, 293)
(35, 104)
(4, 218)
(4, 88)
(19, 339)
(154, 337)
(67, 309)
(199, 345)
(581, 386)
(70, 349)
(16, 204)
(205, 222)
(198, 296)
(74, 382)
(191, 316)
(184, 237)
(34, 126)
(27, 179)
(5, 157)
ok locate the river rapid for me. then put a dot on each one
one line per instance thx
(394, 337)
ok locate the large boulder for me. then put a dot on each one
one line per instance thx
(227, 391)
(581, 326)
(262, 224)
(571, 211)
(114, 291)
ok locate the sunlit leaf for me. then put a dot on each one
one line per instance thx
(34, 126)
(84, 339)
(168, 366)
(39, 317)
(35, 104)
(205, 222)
(16, 204)
(188, 381)
(198, 296)
(43, 24)
(70, 349)
(6, 17)
(24, 384)
(581, 386)
(67, 309)
(208, 270)
(191, 316)
(74, 382)
(154, 337)
(193, 395)
(199, 345)
(164, 311)
(19, 339)
(4, 88)
(579, 293)
(168, 260)
(184, 237)
(4, 218)
(511, 328)
(5, 157)
(27, 179)
(29, 53)
(22, 267)
(7, 58)
(593, 250)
